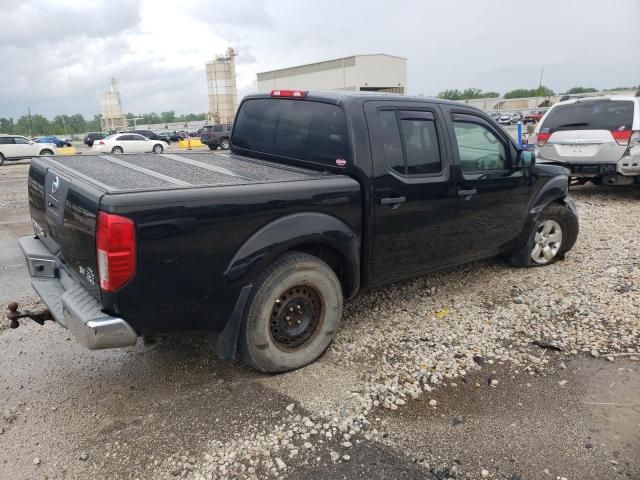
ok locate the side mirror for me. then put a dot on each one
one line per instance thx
(525, 159)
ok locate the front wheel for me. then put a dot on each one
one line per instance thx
(46, 152)
(225, 144)
(1, 159)
(157, 148)
(555, 233)
(293, 314)
(212, 147)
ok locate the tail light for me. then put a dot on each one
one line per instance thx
(116, 246)
(542, 139)
(622, 137)
(289, 93)
(100, 142)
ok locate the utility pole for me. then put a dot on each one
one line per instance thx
(30, 126)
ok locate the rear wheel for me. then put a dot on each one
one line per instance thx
(293, 314)
(117, 150)
(157, 148)
(225, 144)
(555, 234)
(1, 159)
(212, 147)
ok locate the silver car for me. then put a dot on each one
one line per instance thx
(597, 138)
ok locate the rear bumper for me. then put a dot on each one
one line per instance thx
(71, 305)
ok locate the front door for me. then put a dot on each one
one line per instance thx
(24, 148)
(493, 193)
(413, 192)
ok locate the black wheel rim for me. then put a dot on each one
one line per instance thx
(296, 317)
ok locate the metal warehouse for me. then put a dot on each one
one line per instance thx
(376, 72)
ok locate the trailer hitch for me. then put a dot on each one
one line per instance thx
(14, 315)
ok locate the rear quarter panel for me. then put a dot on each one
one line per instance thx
(187, 239)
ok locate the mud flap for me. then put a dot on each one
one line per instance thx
(225, 343)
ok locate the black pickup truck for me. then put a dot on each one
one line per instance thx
(323, 194)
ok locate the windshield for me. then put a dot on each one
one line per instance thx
(300, 129)
(590, 115)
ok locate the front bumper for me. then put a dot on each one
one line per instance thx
(71, 305)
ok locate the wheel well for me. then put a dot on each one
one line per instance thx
(338, 262)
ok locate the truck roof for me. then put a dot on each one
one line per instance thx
(137, 172)
(338, 96)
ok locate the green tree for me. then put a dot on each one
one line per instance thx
(467, 94)
(576, 90)
(6, 125)
(168, 117)
(541, 91)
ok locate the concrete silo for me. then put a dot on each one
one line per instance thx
(112, 116)
(221, 85)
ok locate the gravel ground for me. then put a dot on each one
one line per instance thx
(407, 354)
(404, 341)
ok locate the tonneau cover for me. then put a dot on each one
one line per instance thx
(119, 173)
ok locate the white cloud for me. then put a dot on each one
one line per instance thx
(59, 55)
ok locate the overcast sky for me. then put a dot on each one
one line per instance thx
(57, 56)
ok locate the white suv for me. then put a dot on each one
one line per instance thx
(597, 138)
(16, 147)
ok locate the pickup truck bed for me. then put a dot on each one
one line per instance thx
(130, 173)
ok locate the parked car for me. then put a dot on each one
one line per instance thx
(17, 147)
(164, 136)
(494, 115)
(597, 138)
(505, 118)
(326, 194)
(516, 117)
(148, 134)
(215, 136)
(173, 136)
(92, 137)
(55, 140)
(533, 117)
(129, 143)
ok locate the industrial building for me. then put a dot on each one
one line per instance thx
(375, 72)
(112, 116)
(221, 86)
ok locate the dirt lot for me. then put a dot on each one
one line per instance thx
(403, 393)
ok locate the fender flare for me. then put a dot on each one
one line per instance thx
(283, 234)
(269, 242)
(555, 190)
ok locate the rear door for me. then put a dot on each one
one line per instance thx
(413, 192)
(492, 193)
(586, 131)
(7, 147)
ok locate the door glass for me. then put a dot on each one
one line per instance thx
(21, 140)
(479, 148)
(391, 140)
(421, 146)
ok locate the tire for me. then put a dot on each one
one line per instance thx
(212, 147)
(117, 150)
(273, 341)
(1, 159)
(225, 144)
(157, 148)
(544, 246)
(47, 152)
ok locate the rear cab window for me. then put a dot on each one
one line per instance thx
(297, 129)
(612, 115)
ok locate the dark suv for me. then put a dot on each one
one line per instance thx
(92, 137)
(215, 136)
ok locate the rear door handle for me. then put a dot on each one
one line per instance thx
(467, 193)
(392, 200)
